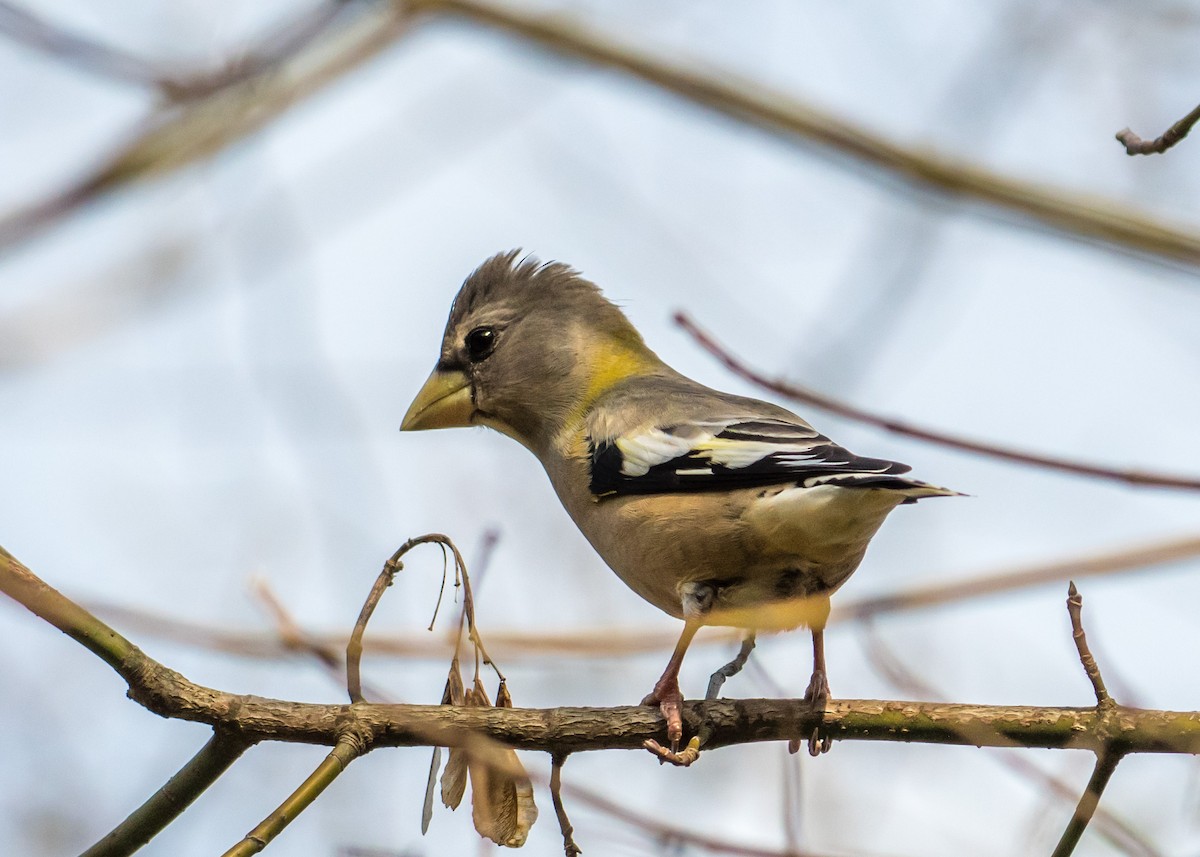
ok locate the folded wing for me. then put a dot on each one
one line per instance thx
(719, 455)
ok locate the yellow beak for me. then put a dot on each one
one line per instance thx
(444, 402)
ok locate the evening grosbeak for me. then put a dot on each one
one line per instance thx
(717, 509)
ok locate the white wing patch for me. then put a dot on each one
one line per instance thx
(641, 451)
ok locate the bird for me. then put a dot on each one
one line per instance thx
(718, 509)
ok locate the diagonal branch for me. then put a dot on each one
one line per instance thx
(835, 406)
(349, 747)
(176, 795)
(1092, 219)
(1106, 765)
(236, 103)
(26, 28)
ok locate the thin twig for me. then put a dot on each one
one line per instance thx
(570, 849)
(1106, 764)
(176, 795)
(835, 406)
(348, 748)
(1135, 145)
(1075, 609)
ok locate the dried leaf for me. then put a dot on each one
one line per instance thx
(455, 693)
(454, 778)
(427, 805)
(502, 804)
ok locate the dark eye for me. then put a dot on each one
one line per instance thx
(480, 343)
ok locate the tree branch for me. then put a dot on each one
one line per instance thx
(24, 27)
(1106, 765)
(176, 795)
(355, 728)
(234, 104)
(1108, 757)
(835, 406)
(349, 747)
(1090, 218)
(169, 694)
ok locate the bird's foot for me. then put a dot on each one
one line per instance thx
(667, 696)
(682, 758)
(817, 694)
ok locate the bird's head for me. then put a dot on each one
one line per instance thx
(527, 348)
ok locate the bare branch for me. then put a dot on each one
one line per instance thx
(176, 795)
(230, 108)
(1106, 765)
(1090, 218)
(167, 693)
(1135, 145)
(236, 103)
(1108, 757)
(835, 406)
(349, 747)
(353, 729)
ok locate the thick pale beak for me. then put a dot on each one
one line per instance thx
(444, 402)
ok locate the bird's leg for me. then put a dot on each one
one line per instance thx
(818, 691)
(818, 694)
(732, 668)
(666, 693)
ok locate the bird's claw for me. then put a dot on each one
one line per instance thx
(681, 759)
(670, 702)
(817, 694)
